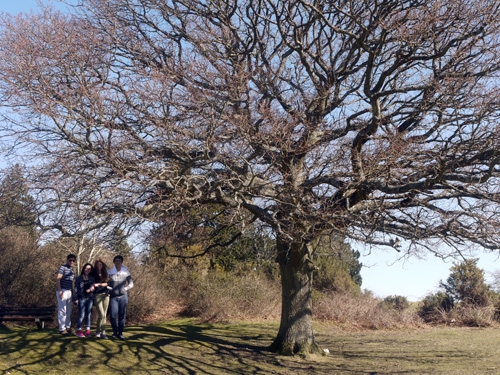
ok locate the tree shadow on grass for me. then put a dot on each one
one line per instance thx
(203, 348)
(206, 333)
(186, 347)
(190, 347)
(177, 348)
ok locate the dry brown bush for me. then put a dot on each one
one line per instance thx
(437, 316)
(148, 297)
(469, 315)
(223, 296)
(27, 276)
(219, 296)
(361, 312)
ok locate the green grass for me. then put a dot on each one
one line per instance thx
(189, 347)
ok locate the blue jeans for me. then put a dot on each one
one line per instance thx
(118, 307)
(84, 311)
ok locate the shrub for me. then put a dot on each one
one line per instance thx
(221, 296)
(361, 311)
(148, 296)
(466, 284)
(434, 305)
(399, 303)
(27, 275)
(473, 316)
(332, 274)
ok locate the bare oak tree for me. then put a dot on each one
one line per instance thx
(377, 120)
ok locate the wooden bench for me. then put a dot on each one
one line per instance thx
(38, 314)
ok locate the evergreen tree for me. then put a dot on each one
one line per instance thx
(118, 243)
(16, 205)
(18, 240)
(337, 265)
(466, 284)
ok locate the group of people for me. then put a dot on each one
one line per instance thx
(96, 285)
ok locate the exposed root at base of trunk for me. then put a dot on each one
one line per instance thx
(293, 348)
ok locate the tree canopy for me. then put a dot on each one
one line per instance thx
(376, 120)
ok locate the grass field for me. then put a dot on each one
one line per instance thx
(189, 347)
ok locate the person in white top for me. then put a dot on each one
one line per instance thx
(120, 282)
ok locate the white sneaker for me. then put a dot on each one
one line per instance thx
(98, 334)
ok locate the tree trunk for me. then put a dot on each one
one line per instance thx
(295, 335)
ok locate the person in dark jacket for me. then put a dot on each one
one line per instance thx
(84, 296)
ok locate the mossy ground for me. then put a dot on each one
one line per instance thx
(189, 347)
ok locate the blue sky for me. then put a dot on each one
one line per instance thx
(382, 274)
(16, 6)
(385, 275)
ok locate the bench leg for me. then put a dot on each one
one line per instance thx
(39, 323)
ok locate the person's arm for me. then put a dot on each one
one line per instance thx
(77, 290)
(58, 284)
(106, 282)
(130, 283)
(92, 285)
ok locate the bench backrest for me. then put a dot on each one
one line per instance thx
(27, 310)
